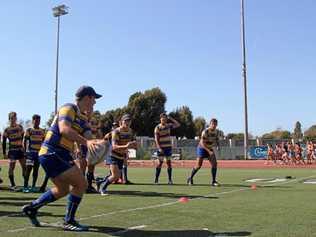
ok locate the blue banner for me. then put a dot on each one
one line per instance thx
(258, 152)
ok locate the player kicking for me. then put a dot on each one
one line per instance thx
(163, 143)
(14, 133)
(33, 139)
(55, 157)
(123, 139)
(205, 149)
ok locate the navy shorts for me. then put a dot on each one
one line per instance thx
(115, 161)
(56, 163)
(166, 152)
(32, 158)
(202, 153)
(15, 155)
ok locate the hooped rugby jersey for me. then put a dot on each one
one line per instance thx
(35, 137)
(15, 137)
(54, 139)
(163, 134)
(210, 137)
(121, 137)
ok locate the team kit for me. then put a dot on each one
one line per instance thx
(72, 146)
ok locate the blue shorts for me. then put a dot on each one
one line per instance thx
(32, 158)
(202, 153)
(15, 155)
(56, 163)
(115, 161)
(166, 152)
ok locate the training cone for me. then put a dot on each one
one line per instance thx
(253, 187)
(183, 199)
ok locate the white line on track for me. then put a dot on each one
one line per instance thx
(165, 204)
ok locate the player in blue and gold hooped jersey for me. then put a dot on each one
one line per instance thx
(32, 142)
(14, 133)
(209, 140)
(55, 157)
(163, 143)
(1, 180)
(123, 138)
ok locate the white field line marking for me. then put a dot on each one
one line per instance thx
(166, 204)
(128, 229)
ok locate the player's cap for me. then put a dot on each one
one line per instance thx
(126, 117)
(87, 90)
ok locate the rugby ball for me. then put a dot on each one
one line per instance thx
(97, 155)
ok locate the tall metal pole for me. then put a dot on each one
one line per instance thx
(57, 58)
(244, 74)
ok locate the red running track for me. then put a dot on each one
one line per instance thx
(243, 164)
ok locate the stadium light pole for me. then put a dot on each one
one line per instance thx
(58, 12)
(244, 74)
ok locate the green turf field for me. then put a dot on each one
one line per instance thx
(285, 208)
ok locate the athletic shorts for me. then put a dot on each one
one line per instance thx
(202, 153)
(115, 161)
(32, 158)
(56, 163)
(166, 152)
(15, 155)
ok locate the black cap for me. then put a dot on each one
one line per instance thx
(87, 90)
(126, 117)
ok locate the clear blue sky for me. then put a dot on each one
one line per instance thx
(189, 48)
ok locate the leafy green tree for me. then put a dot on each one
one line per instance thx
(236, 136)
(277, 134)
(184, 116)
(310, 134)
(298, 134)
(199, 125)
(145, 109)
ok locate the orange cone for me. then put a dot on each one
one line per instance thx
(183, 199)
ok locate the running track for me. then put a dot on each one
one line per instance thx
(244, 164)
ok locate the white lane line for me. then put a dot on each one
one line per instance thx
(127, 230)
(167, 203)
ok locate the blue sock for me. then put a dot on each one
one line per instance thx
(43, 200)
(72, 206)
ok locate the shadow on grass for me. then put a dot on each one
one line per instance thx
(20, 214)
(155, 194)
(113, 231)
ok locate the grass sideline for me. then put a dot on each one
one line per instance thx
(234, 209)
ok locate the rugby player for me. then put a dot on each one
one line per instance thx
(164, 146)
(123, 138)
(14, 133)
(55, 157)
(205, 149)
(32, 141)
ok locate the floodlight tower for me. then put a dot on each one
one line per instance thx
(244, 74)
(58, 12)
